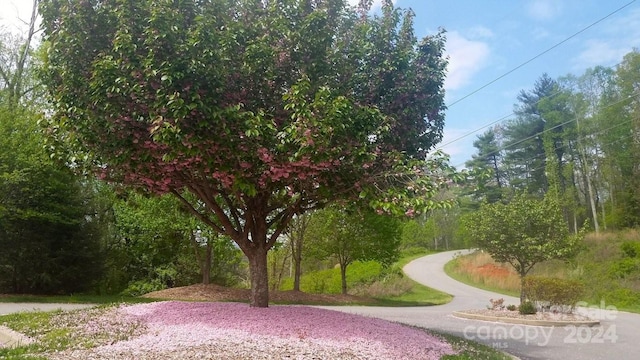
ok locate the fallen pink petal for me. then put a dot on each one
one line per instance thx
(198, 330)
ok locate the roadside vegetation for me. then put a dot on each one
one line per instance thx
(608, 264)
(387, 286)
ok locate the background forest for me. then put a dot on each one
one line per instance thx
(64, 231)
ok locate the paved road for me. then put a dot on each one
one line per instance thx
(618, 336)
(8, 308)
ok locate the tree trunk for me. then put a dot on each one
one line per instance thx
(604, 215)
(259, 275)
(206, 265)
(523, 296)
(296, 274)
(343, 276)
(296, 257)
(592, 204)
(297, 230)
(282, 267)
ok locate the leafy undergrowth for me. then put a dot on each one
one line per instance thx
(329, 282)
(169, 330)
(383, 286)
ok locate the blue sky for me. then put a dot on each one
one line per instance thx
(486, 39)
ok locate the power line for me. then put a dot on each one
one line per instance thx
(557, 126)
(542, 53)
(541, 156)
(494, 122)
(505, 117)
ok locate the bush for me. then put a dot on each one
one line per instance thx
(329, 282)
(553, 293)
(512, 307)
(142, 287)
(625, 267)
(527, 308)
(413, 251)
(387, 286)
(630, 249)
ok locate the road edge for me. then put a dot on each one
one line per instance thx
(532, 322)
(11, 339)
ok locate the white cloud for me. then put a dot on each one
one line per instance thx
(466, 58)
(544, 10)
(618, 37)
(599, 52)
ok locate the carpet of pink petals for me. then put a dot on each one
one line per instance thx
(194, 330)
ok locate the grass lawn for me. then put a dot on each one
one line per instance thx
(418, 294)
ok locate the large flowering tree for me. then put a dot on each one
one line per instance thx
(249, 111)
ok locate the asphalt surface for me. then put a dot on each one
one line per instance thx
(617, 336)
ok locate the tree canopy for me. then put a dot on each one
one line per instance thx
(523, 232)
(261, 109)
(350, 236)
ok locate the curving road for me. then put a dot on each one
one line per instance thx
(618, 336)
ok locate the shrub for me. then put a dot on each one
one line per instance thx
(527, 308)
(553, 293)
(142, 287)
(630, 249)
(622, 268)
(512, 307)
(388, 286)
(328, 281)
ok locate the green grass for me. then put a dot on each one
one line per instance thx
(30, 323)
(449, 269)
(377, 286)
(418, 295)
(470, 350)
